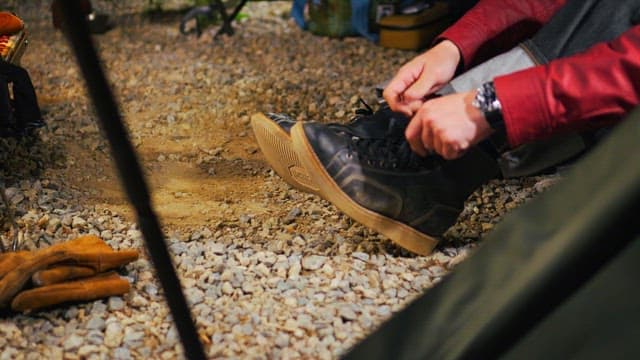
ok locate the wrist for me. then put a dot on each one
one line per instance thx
(451, 51)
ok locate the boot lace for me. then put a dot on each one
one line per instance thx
(364, 113)
(391, 153)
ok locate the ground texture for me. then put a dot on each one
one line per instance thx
(269, 272)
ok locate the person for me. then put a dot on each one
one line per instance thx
(21, 114)
(513, 88)
(588, 89)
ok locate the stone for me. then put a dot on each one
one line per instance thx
(116, 303)
(96, 323)
(313, 262)
(113, 335)
(73, 342)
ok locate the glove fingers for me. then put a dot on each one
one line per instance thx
(84, 264)
(102, 260)
(87, 251)
(92, 251)
(88, 242)
(60, 273)
(11, 260)
(14, 280)
(116, 259)
(88, 289)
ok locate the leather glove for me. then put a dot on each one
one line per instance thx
(61, 273)
(92, 288)
(99, 257)
(87, 251)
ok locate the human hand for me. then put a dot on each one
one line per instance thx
(448, 125)
(421, 77)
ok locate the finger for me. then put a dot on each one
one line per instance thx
(452, 151)
(438, 146)
(414, 106)
(444, 147)
(413, 135)
(427, 138)
(393, 93)
(448, 153)
(405, 109)
(420, 89)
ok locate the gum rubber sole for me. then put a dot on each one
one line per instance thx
(276, 146)
(401, 234)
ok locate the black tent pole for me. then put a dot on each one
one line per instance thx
(77, 30)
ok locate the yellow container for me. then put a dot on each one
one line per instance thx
(414, 31)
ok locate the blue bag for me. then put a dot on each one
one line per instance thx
(359, 19)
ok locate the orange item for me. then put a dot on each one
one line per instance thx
(9, 23)
(97, 287)
(86, 251)
(61, 273)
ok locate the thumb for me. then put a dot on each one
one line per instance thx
(394, 96)
(421, 89)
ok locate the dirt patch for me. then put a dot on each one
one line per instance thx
(191, 187)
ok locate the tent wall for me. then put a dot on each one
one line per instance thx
(600, 321)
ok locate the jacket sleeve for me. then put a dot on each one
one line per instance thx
(495, 26)
(588, 90)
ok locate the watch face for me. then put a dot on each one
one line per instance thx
(486, 99)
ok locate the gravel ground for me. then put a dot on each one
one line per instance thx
(269, 272)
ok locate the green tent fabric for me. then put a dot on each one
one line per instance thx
(600, 321)
(538, 275)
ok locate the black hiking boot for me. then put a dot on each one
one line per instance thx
(272, 132)
(382, 184)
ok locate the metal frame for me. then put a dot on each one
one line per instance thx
(215, 6)
(77, 31)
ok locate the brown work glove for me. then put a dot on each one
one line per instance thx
(92, 288)
(61, 273)
(9, 23)
(84, 252)
(10, 260)
(91, 255)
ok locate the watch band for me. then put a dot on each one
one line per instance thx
(487, 101)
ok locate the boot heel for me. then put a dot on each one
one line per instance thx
(277, 148)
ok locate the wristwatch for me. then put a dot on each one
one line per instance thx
(487, 102)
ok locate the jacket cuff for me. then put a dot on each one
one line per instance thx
(465, 35)
(524, 107)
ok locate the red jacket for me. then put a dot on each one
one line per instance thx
(590, 89)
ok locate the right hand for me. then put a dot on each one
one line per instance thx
(448, 125)
(421, 77)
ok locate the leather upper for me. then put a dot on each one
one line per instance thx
(425, 193)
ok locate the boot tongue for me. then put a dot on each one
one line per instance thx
(380, 125)
(397, 125)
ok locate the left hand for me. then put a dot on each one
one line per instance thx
(448, 125)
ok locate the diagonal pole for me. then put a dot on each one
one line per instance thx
(77, 30)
